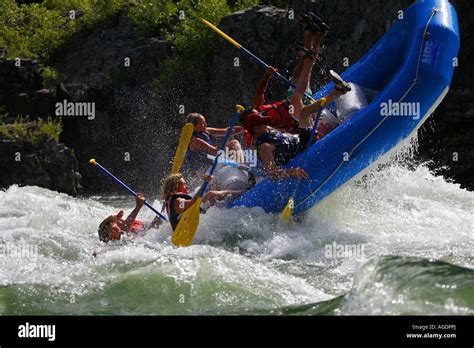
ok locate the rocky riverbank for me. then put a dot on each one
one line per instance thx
(138, 117)
(48, 164)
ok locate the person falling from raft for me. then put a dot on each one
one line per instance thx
(178, 200)
(202, 143)
(276, 148)
(113, 227)
(281, 117)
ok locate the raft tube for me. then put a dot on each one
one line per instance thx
(412, 65)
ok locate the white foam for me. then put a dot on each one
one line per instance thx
(393, 211)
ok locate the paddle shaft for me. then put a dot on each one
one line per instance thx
(224, 142)
(265, 65)
(310, 140)
(278, 75)
(133, 193)
(251, 55)
(204, 186)
(315, 127)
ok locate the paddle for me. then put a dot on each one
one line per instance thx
(178, 159)
(133, 193)
(252, 56)
(188, 223)
(186, 135)
(288, 210)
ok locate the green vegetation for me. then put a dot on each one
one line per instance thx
(32, 131)
(193, 42)
(153, 17)
(32, 31)
(50, 75)
(51, 128)
(41, 30)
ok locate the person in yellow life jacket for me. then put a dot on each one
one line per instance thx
(178, 200)
(113, 227)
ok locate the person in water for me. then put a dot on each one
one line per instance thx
(203, 143)
(279, 112)
(178, 200)
(113, 227)
(276, 148)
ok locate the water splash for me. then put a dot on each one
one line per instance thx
(244, 261)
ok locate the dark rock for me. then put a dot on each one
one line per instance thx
(18, 79)
(96, 72)
(49, 165)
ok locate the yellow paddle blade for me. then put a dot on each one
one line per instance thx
(288, 210)
(221, 33)
(187, 226)
(186, 135)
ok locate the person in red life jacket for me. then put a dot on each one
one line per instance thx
(275, 148)
(113, 227)
(203, 143)
(279, 112)
(178, 200)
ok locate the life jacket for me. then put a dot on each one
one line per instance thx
(286, 145)
(137, 226)
(172, 215)
(280, 114)
(196, 159)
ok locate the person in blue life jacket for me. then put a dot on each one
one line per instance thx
(203, 143)
(178, 200)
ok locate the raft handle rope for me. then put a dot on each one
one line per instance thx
(414, 83)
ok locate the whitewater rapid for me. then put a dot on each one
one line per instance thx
(413, 233)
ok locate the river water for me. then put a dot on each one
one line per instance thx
(400, 241)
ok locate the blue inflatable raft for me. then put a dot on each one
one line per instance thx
(411, 68)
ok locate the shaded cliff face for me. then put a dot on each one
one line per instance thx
(43, 163)
(47, 164)
(113, 69)
(268, 32)
(137, 121)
